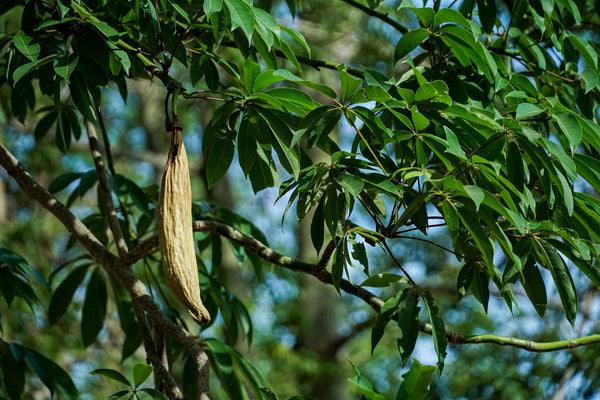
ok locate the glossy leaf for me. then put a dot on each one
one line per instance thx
(93, 312)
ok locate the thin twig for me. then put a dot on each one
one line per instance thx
(104, 187)
(399, 27)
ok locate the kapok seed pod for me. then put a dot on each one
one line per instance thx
(175, 230)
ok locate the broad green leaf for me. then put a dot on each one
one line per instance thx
(415, 385)
(212, 6)
(383, 280)
(51, 374)
(153, 393)
(465, 278)
(111, 374)
(387, 312)
(246, 145)
(62, 181)
(589, 55)
(65, 65)
(338, 264)
(590, 79)
(287, 75)
(298, 37)
(141, 372)
(317, 228)
(409, 41)
(241, 16)
(93, 312)
(527, 110)
(438, 331)
(27, 46)
(13, 373)
(535, 288)
(487, 14)
(262, 174)
(480, 237)
(349, 84)
(449, 15)
(81, 96)
(219, 159)
(480, 286)
(550, 259)
(369, 392)
(570, 127)
(62, 296)
(293, 97)
(24, 69)
(408, 322)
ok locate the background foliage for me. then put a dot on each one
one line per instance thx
(426, 159)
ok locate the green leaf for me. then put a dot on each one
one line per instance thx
(13, 373)
(246, 145)
(590, 79)
(387, 312)
(383, 280)
(111, 374)
(449, 15)
(141, 372)
(262, 175)
(589, 55)
(118, 395)
(338, 264)
(51, 374)
(480, 237)
(62, 296)
(535, 288)
(550, 259)
(24, 69)
(298, 37)
(212, 6)
(408, 322)
(527, 110)
(27, 47)
(480, 286)
(317, 228)
(438, 331)
(570, 127)
(415, 385)
(409, 41)
(81, 96)
(241, 16)
(369, 392)
(487, 14)
(155, 394)
(65, 65)
(93, 312)
(219, 159)
(349, 84)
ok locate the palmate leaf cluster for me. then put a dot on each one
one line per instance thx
(484, 122)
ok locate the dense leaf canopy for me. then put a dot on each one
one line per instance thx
(470, 128)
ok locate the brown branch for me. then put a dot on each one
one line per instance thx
(112, 264)
(259, 249)
(104, 187)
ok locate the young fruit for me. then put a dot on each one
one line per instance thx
(175, 232)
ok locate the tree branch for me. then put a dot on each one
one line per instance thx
(399, 27)
(105, 192)
(266, 253)
(125, 276)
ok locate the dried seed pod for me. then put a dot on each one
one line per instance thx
(175, 231)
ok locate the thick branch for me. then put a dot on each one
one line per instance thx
(113, 221)
(114, 266)
(266, 253)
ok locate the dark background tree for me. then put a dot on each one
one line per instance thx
(425, 157)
